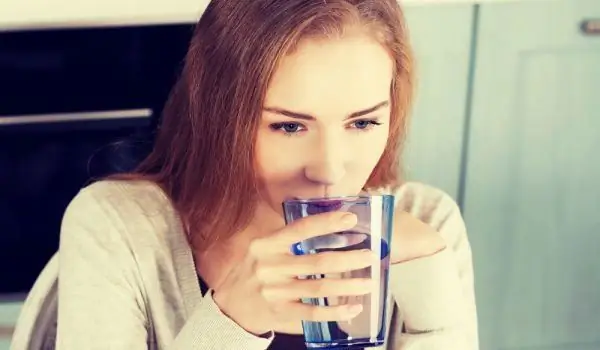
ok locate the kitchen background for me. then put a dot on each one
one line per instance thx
(507, 121)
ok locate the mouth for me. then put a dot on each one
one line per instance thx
(319, 205)
(327, 205)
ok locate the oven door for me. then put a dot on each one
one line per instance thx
(75, 105)
(40, 172)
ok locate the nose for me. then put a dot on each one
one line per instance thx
(327, 165)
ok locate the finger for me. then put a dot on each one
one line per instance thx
(306, 312)
(414, 238)
(320, 288)
(335, 241)
(311, 226)
(289, 266)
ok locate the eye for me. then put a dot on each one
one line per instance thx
(288, 127)
(365, 124)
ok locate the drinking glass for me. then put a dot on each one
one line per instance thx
(373, 231)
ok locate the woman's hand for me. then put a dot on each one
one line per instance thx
(413, 239)
(264, 290)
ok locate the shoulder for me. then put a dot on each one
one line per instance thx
(130, 211)
(125, 198)
(432, 206)
(123, 194)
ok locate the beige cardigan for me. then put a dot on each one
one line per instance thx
(127, 279)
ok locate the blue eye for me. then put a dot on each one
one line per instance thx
(287, 128)
(365, 124)
(290, 127)
(362, 124)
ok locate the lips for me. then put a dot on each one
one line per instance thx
(331, 204)
(324, 206)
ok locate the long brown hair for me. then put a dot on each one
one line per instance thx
(203, 157)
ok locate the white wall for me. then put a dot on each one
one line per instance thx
(15, 14)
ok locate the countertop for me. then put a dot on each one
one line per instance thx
(33, 14)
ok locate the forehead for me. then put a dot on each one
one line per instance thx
(332, 77)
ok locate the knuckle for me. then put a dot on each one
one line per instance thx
(302, 225)
(323, 261)
(320, 286)
(316, 313)
(277, 308)
(261, 272)
(264, 292)
(255, 247)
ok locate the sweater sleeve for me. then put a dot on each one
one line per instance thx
(101, 300)
(435, 294)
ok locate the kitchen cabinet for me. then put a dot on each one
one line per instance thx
(9, 313)
(532, 195)
(441, 37)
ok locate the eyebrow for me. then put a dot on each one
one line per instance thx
(303, 116)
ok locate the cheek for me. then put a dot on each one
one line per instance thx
(368, 151)
(275, 163)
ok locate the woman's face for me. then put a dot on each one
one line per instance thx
(326, 120)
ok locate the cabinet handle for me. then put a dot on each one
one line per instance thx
(75, 117)
(590, 27)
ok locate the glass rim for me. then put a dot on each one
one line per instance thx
(337, 198)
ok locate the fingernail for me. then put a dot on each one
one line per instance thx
(349, 219)
(355, 309)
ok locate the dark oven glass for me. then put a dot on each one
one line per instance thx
(75, 104)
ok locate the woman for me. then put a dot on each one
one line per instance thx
(277, 99)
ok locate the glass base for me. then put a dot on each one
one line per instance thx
(346, 344)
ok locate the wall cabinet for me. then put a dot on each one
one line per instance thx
(532, 194)
(9, 313)
(441, 37)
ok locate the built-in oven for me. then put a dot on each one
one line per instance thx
(75, 104)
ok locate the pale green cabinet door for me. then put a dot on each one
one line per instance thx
(9, 313)
(441, 37)
(532, 200)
